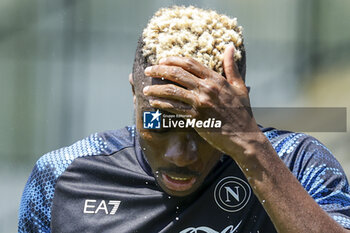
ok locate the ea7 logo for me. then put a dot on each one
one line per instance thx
(95, 206)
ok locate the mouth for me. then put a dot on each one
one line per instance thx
(178, 183)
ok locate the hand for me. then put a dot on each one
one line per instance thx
(206, 94)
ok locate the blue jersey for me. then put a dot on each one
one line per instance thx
(104, 184)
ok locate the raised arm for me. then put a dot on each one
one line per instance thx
(204, 93)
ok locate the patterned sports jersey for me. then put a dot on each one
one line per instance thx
(104, 184)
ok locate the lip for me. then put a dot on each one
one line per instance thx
(178, 183)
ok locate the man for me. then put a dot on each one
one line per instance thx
(233, 176)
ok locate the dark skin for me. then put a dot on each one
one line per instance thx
(203, 93)
(174, 153)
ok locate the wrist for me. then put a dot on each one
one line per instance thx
(254, 154)
(248, 144)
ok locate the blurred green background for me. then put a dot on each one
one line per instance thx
(64, 68)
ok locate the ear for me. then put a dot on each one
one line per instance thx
(131, 81)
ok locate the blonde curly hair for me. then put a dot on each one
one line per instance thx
(191, 32)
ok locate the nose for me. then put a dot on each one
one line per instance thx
(182, 150)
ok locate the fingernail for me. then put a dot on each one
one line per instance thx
(148, 69)
(162, 60)
(145, 90)
(231, 45)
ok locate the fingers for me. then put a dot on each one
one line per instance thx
(173, 106)
(190, 65)
(172, 92)
(230, 67)
(173, 73)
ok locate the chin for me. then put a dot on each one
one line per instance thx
(176, 193)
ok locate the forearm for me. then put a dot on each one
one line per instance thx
(289, 206)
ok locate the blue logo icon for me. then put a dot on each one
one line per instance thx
(151, 120)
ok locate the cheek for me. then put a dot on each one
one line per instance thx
(209, 155)
(152, 140)
(152, 146)
(146, 137)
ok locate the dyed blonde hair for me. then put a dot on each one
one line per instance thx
(191, 32)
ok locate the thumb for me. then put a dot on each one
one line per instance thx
(230, 67)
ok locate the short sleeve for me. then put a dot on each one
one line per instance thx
(34, 213)
(324, 179)
(38, 194)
